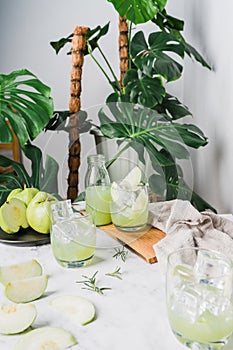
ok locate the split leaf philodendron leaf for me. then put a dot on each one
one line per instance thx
(27, 110)
(41, 178)
(138, 11)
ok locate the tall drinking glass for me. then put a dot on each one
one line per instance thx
(199, 297)
(72, 235)
(129, 207)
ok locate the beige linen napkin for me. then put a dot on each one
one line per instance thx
(187, 227)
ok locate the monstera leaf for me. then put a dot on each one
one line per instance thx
(151, 58)
(92, 37)
(174, 26)
(146, 127)
(138, 11)
(144, 90)
(165, 142)
(44, 179)
(170, 184)
(172, 108)
(26, 103)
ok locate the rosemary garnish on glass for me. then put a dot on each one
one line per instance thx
(90, 284)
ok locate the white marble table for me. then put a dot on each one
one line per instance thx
(132, 315)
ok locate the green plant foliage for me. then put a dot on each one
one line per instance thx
(174, 26)
(93, 36)
(152, 60)
(165, 142)
(25, 101)
(138, 11)
(43, 179)
(144, 90)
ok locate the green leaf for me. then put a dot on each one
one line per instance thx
(172, 108)
(152, 60)
(18, 125)
(6, 134)
(29, 111)
(35, 155)
(21, 175)
(157, 184)
(193, 53)
(138, 11)
(145, 90)
(58, 45)
(163, 21)
(174, 26)
(49, 182)
(191, 135)
(58, 121)
(92, 36)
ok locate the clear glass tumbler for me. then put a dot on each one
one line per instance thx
(199, 297)
(129, 207)
(73, 240)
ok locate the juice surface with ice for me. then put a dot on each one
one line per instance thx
(207, 328)
(98, 200)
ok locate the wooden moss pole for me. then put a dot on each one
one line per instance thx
(123, 47)
(77, 54)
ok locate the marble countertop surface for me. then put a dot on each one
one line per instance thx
(130, 316)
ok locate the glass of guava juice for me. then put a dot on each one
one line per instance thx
(129, 206)
(73, 240)
(199, 286)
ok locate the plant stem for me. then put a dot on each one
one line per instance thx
(129, 41)
(110, 162)
(109, 66)
(101, 68)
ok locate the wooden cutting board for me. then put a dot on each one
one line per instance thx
(140, 242)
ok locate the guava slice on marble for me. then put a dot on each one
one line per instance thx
(78, 309)
(15, 318)
(46, 338)
(27, 269)
(25, 290)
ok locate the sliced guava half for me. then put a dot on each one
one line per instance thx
(27, 269)
(25, 290)
(78, 309)
(16, 318)
(51, 338)
(13, 215)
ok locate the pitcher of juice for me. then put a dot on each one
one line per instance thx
(97, 188)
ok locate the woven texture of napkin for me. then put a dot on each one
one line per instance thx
(187, 227)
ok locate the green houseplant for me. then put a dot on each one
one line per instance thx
(25, 103)
(142, 113)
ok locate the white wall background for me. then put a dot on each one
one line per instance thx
(27, 27)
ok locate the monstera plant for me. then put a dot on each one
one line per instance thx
(147, 65)
(25, 108)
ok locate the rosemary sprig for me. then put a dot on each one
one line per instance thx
(120, 253)
(90, 284)
(116, 273)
